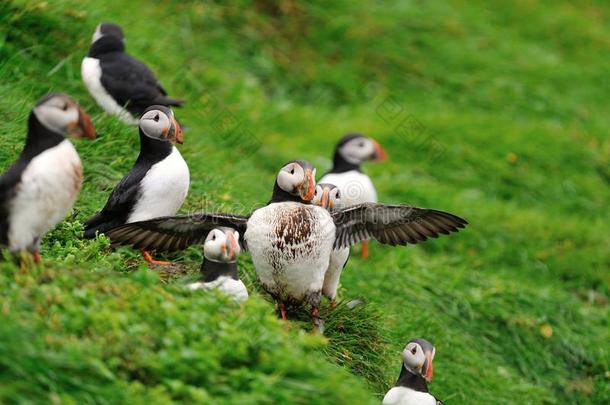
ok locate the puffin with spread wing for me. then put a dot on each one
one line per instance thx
(290, 239)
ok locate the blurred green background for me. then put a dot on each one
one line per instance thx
(494, 110)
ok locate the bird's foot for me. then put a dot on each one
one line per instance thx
(318, 323)
(283, 311)
(37, 257)
(333, 304)
(365, 249)
(148, 257)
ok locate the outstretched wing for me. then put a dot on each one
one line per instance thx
(174, 233)
(391, 224)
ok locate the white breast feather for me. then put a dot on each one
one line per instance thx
(355, 187)
(290, 257)
(47, 191)
(163, 189)
(227, 285)
(91, 71)
(407, 396)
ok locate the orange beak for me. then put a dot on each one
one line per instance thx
(325, 202)
(429, 368)
(379, 155)
(83, 127)
(232, 246)
(308, 188)
(177, 131)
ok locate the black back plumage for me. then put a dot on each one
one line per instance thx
(130, 82)
(125, 195)
(39, 139)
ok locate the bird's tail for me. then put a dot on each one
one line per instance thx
(174, 102)
(98, 224)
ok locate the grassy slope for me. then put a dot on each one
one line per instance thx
(514, 94)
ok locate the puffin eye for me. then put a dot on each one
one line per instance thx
(65, 107)
(338, 195)
(414, 350)
(214, 237)
(156, 118)
(292, 171)
(361, 144)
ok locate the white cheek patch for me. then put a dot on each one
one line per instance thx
(211, 249)
(54, 118)
(355, 154)
(150, 127)
(286, 181)
(350, 153)
(369, 150)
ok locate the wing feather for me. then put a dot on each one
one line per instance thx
(174, 233)
(392, 224)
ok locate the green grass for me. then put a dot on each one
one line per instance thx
(496, 111)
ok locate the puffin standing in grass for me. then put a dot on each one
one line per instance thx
(40, 188)
(328, 196)
(219, 267)
(157, 184)
(290, 239)
(416, 371)
(356, 187)
(121, 84)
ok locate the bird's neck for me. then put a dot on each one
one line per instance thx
(211, 270)
(39, 137)
(341, 165)
(279, 195)
(106, 44)
(409, 380)
(154, 149)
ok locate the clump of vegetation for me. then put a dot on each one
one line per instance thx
(97, 336)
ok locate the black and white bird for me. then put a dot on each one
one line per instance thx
(121, 84)
(158, 182)
(40, 188)
(219, 267)
(415, 373)
(329, 196)
(290, 239)
(356, 187)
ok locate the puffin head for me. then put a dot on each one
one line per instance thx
(222, 245)
(327, 196)
(108, 29)
(298, 178)
(61, 114)
(417, 358)
(158, 122)
(357, 149)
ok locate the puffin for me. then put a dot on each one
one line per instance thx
(155, 186)
(415, 373)
(329, 196)
(219, 267)
(40, 188)
(121, 84)
(290, 239)
(346, 173)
